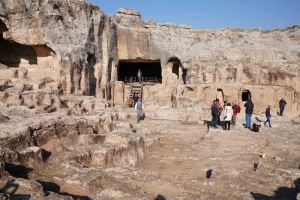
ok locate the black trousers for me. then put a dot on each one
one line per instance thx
(227, 123)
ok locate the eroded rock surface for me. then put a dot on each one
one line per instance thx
(66, 131)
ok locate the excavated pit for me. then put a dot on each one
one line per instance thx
(33, 144)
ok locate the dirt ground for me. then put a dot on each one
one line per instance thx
(189, 162)
(196, 163)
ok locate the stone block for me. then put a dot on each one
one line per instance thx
(22, 72)
(119, 92)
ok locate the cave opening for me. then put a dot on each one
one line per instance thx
(246, 95)
(220, 96)
(176, 64)
(14, 54)
(151, 71)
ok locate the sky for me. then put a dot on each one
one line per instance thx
(212, 14)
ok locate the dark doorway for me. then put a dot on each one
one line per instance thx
(91, 73)
(246, 95)
(129, 68)
(12, 53)
(175, 66)
(220, 96)
(175, 69)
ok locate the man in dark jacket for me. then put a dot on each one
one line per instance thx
(214, 114)
(249, 109)
(282, 104)
(268, 115)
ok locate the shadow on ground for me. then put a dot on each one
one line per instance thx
(281, 193)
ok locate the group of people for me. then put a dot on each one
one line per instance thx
(231, 111)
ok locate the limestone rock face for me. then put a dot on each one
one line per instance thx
(263, 63)
(72, 47)
(63, 41)
(66, 131)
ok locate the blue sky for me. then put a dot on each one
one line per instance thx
(212, 14)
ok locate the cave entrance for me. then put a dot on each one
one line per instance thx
(14, 54)
(173, 71)
(175, 65)
(151, 71)
(246, 95)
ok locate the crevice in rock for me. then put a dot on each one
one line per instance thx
(91, 90)
(3, 27)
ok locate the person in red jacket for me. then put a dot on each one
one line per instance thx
(236, 109)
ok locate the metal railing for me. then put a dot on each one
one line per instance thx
(144, 80)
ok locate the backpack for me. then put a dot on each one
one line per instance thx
(255, 127)
(238, 108)
(214, 110)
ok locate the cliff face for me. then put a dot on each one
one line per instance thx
(70, 31)
(225, 55)
(228, 61)
(80, 50)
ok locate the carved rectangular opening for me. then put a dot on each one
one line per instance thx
(151, 71)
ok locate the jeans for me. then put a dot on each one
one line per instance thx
(214, 121)
(248, 120)
(268, 120)
(281, 110)
(184, 79)
(140, 78)
(219, 121)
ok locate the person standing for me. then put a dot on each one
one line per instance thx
(249, 110)
(139, 107)
(228, 112)
(282, 104)
(184, 72)
(220, 110)
(214, 114)
(135, 97)
(236, 109)
(139, 76)
(268, 115)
